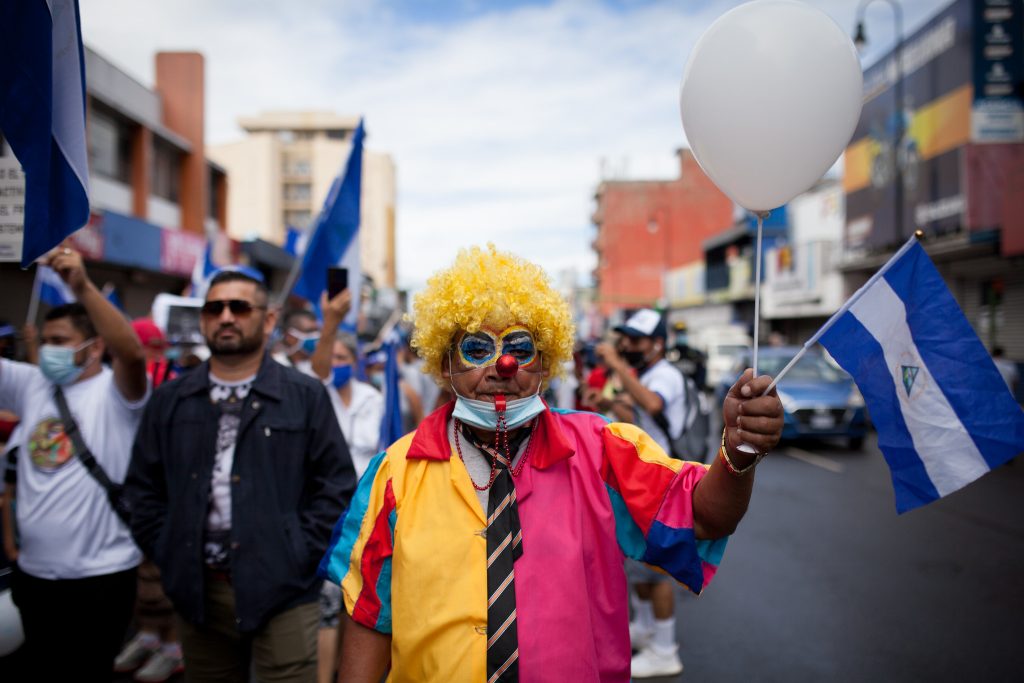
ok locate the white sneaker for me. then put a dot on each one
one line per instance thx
(639, 636)
(651, 661)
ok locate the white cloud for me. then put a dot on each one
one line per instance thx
(497, 123)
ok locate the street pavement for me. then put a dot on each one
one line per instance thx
(823, 581)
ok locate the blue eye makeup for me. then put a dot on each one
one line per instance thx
(476, 350)
(483, 348)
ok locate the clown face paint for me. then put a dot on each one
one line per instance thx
(483, 348)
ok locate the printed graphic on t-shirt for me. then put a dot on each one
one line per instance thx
(49, 446)
(229, 399)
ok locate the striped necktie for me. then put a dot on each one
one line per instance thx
(504, 547)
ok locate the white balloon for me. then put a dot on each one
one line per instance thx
(770, 98)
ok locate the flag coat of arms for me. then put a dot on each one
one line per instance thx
(943, 413)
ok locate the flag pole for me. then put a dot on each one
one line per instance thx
(33, 302)
(918, 235)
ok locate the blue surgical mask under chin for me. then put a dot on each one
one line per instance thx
(482, 415)
(341, 375)
(57, 363)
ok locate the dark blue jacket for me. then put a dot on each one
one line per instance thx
(292, 476)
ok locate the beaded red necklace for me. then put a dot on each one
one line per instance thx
(500, 435)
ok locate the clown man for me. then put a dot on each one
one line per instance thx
(488, 545)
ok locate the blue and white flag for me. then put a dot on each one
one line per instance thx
(52, 290)
(943, 413)
(334, 240)
(42, 115)
(391, 424)
(203, 271)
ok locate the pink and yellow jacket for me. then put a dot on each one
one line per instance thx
(411, 557)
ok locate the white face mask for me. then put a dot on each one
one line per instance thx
(57, 363)
(482, 414)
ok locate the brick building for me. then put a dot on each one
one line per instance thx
(646, 228)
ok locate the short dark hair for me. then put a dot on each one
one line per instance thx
(226, 276)
(296, 313)
(78, 315)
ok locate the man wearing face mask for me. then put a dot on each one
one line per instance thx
(654, 398)
(298, 343)
(488, 545)
(75, 583)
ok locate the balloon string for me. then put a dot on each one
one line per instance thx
(757, 288)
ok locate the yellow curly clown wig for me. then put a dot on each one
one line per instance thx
(487, 286)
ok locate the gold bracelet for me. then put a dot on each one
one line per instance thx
(733, 470)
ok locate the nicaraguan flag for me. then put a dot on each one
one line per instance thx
(391, 425)
(334, 240)
(52, 290)
(203, 271)
(943, 413)
(42, 116)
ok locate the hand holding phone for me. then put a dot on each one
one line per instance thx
(337, 281)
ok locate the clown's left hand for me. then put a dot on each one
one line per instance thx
(750, 417)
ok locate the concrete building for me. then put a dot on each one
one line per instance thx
(801, 286)
(154, 196)
(282, 171)
(648, 228)
(940, 148)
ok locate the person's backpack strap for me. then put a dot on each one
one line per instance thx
(662, 423)
(114, 491)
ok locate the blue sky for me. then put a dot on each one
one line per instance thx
(500, 116)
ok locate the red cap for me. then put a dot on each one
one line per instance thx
(149, 334)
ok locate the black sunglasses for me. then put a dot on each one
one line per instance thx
(236, 306)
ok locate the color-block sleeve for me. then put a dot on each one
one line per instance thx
(359, 555)
(652, 498)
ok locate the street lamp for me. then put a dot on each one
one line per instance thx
(860, 40)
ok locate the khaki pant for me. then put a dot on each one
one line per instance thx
(284, 650)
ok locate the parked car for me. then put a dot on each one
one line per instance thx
(818, 397)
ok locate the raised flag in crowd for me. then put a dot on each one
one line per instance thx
(42, 115)
(943, 413)
(334, 240)
(53, 291)
(391, 425)
(203, 270)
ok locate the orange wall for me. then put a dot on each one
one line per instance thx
(180, 83)
(633, 258)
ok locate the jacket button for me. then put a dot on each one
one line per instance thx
(255, 405)
(235, 479)
(195, 476)
(238, 621)
(235, 545)
(266, 431)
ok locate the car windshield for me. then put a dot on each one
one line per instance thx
(732, 350)
(809, 368)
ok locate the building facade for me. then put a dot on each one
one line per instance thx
(153, 194)
(282, 172)
(648, 228)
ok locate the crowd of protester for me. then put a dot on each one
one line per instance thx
(235, 469)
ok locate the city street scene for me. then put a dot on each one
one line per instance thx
(529, 340)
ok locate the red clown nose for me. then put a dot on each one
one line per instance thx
(507, 366)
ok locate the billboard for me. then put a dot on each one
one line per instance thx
(909, 141)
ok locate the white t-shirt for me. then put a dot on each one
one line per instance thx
(666, 381)
(360, 422)
(67, 527)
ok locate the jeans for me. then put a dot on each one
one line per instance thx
(73, 627)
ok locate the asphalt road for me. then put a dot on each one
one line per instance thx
(823, 581)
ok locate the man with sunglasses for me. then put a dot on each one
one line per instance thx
(237, 475)
(488, 545)
(75, 583)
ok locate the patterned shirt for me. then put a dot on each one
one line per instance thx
(411, 558)
(228, 397)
